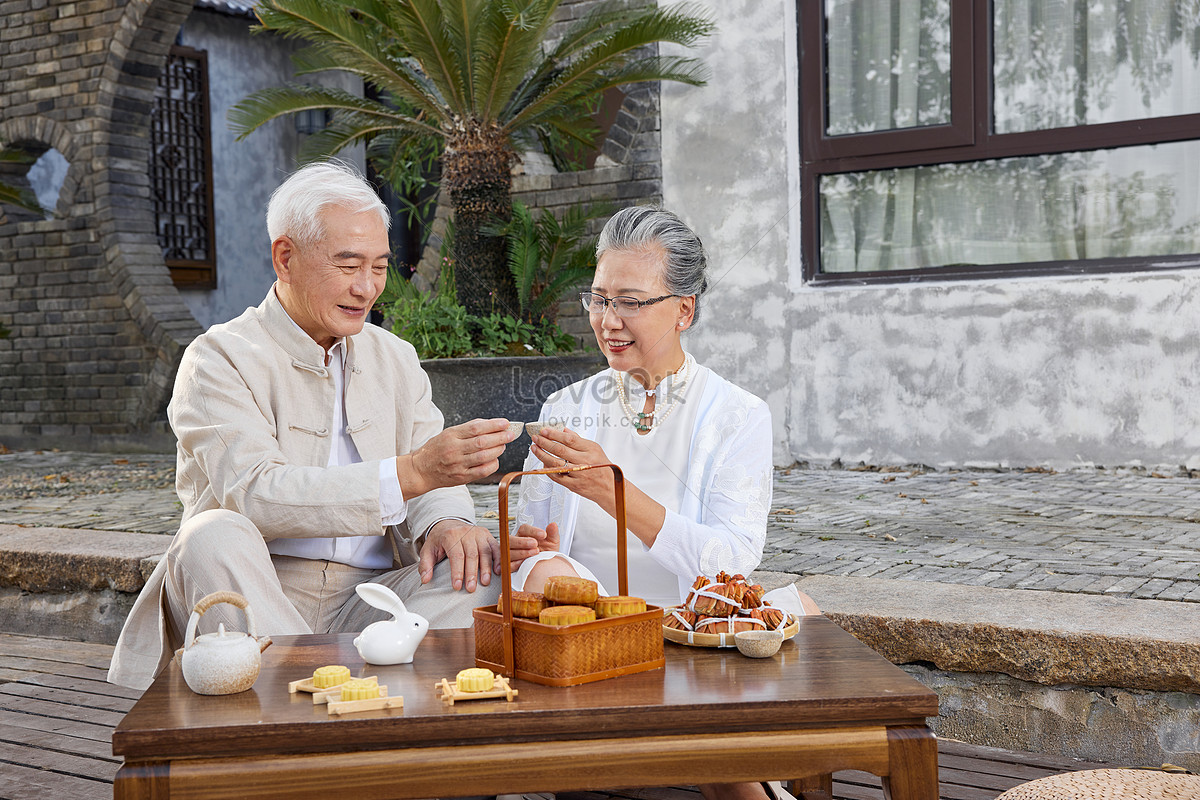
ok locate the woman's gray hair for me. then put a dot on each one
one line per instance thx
(642, 227)
(295, 207)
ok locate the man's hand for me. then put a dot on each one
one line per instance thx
(529, 541)
(455, 456)
(473, 552)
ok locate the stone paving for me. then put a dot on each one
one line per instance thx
(1116, 532)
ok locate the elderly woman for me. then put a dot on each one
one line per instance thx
(694, 448)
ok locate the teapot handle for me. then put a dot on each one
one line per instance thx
(210, 600)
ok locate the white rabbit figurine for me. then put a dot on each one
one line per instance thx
(392, 641)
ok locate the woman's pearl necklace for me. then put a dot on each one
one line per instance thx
(643, 421)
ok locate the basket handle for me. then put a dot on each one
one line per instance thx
(506, 565)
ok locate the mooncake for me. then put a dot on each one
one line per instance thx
(360, 689)
(566, 615)
(618, 606)
(475, 679)
(328, 677)
(525, 604)
(567, 590)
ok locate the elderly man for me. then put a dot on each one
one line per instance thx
(311, 457)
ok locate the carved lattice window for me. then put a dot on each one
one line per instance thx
(181, 169)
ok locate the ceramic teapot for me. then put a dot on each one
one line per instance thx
(392, 641)
(225, 662)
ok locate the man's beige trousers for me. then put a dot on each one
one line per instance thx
(221, 550)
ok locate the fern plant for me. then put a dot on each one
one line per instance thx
(549, 257)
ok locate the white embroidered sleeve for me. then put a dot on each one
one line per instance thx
(735, 495)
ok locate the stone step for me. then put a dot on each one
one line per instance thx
(1045, 637)
(72, 583)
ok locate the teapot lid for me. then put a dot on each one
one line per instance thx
(222, 637)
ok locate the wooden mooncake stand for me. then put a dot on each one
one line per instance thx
(450, 691)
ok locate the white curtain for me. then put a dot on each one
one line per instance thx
(1058, 63)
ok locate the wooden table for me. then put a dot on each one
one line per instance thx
(825, 702)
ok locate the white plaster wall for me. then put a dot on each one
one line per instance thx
(1083, 370)
(726, 173)
(246, 172)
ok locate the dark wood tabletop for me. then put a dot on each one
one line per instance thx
(821, 677)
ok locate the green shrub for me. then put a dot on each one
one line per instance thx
(438, 327)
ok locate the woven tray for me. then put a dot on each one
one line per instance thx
(693, 639)
(566, 655)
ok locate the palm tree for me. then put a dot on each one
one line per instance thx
(476, 78)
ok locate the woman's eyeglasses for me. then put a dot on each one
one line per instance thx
(624, 307)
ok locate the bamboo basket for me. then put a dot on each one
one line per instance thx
(566, 655)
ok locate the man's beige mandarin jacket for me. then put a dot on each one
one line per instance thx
(251, 409)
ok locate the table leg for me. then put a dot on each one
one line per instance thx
(814, 787)
(912, 765)
(145, 781)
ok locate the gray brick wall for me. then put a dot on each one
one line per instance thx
(96, 325)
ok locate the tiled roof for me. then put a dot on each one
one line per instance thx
(234, 8)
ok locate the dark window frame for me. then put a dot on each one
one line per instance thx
(195, 273)
(967, 138)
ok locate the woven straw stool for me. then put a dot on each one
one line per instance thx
(1109, 784)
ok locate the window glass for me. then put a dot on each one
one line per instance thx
(1134, 201)
(1060, 63)
(887, 64)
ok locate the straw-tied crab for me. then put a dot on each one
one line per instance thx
(725, 604)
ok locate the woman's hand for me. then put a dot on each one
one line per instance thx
(557, 448)
(529, 541)
(644, 515)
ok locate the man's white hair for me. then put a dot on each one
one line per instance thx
(295, 207)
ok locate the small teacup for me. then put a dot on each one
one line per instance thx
(532, 428)
(758, 644)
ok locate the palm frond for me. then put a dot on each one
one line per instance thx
(12, 195)
(524, 255)
(421, 25)
(397, 287)
(512, 42)
(586, 70)
(259, 108)
(680, 69)
(315, 58)
(346, 130)
(571, 124)
(21, 198)
(466, 23)
(339, 32)
(591, 28)
(554, 290)
(14, 155)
